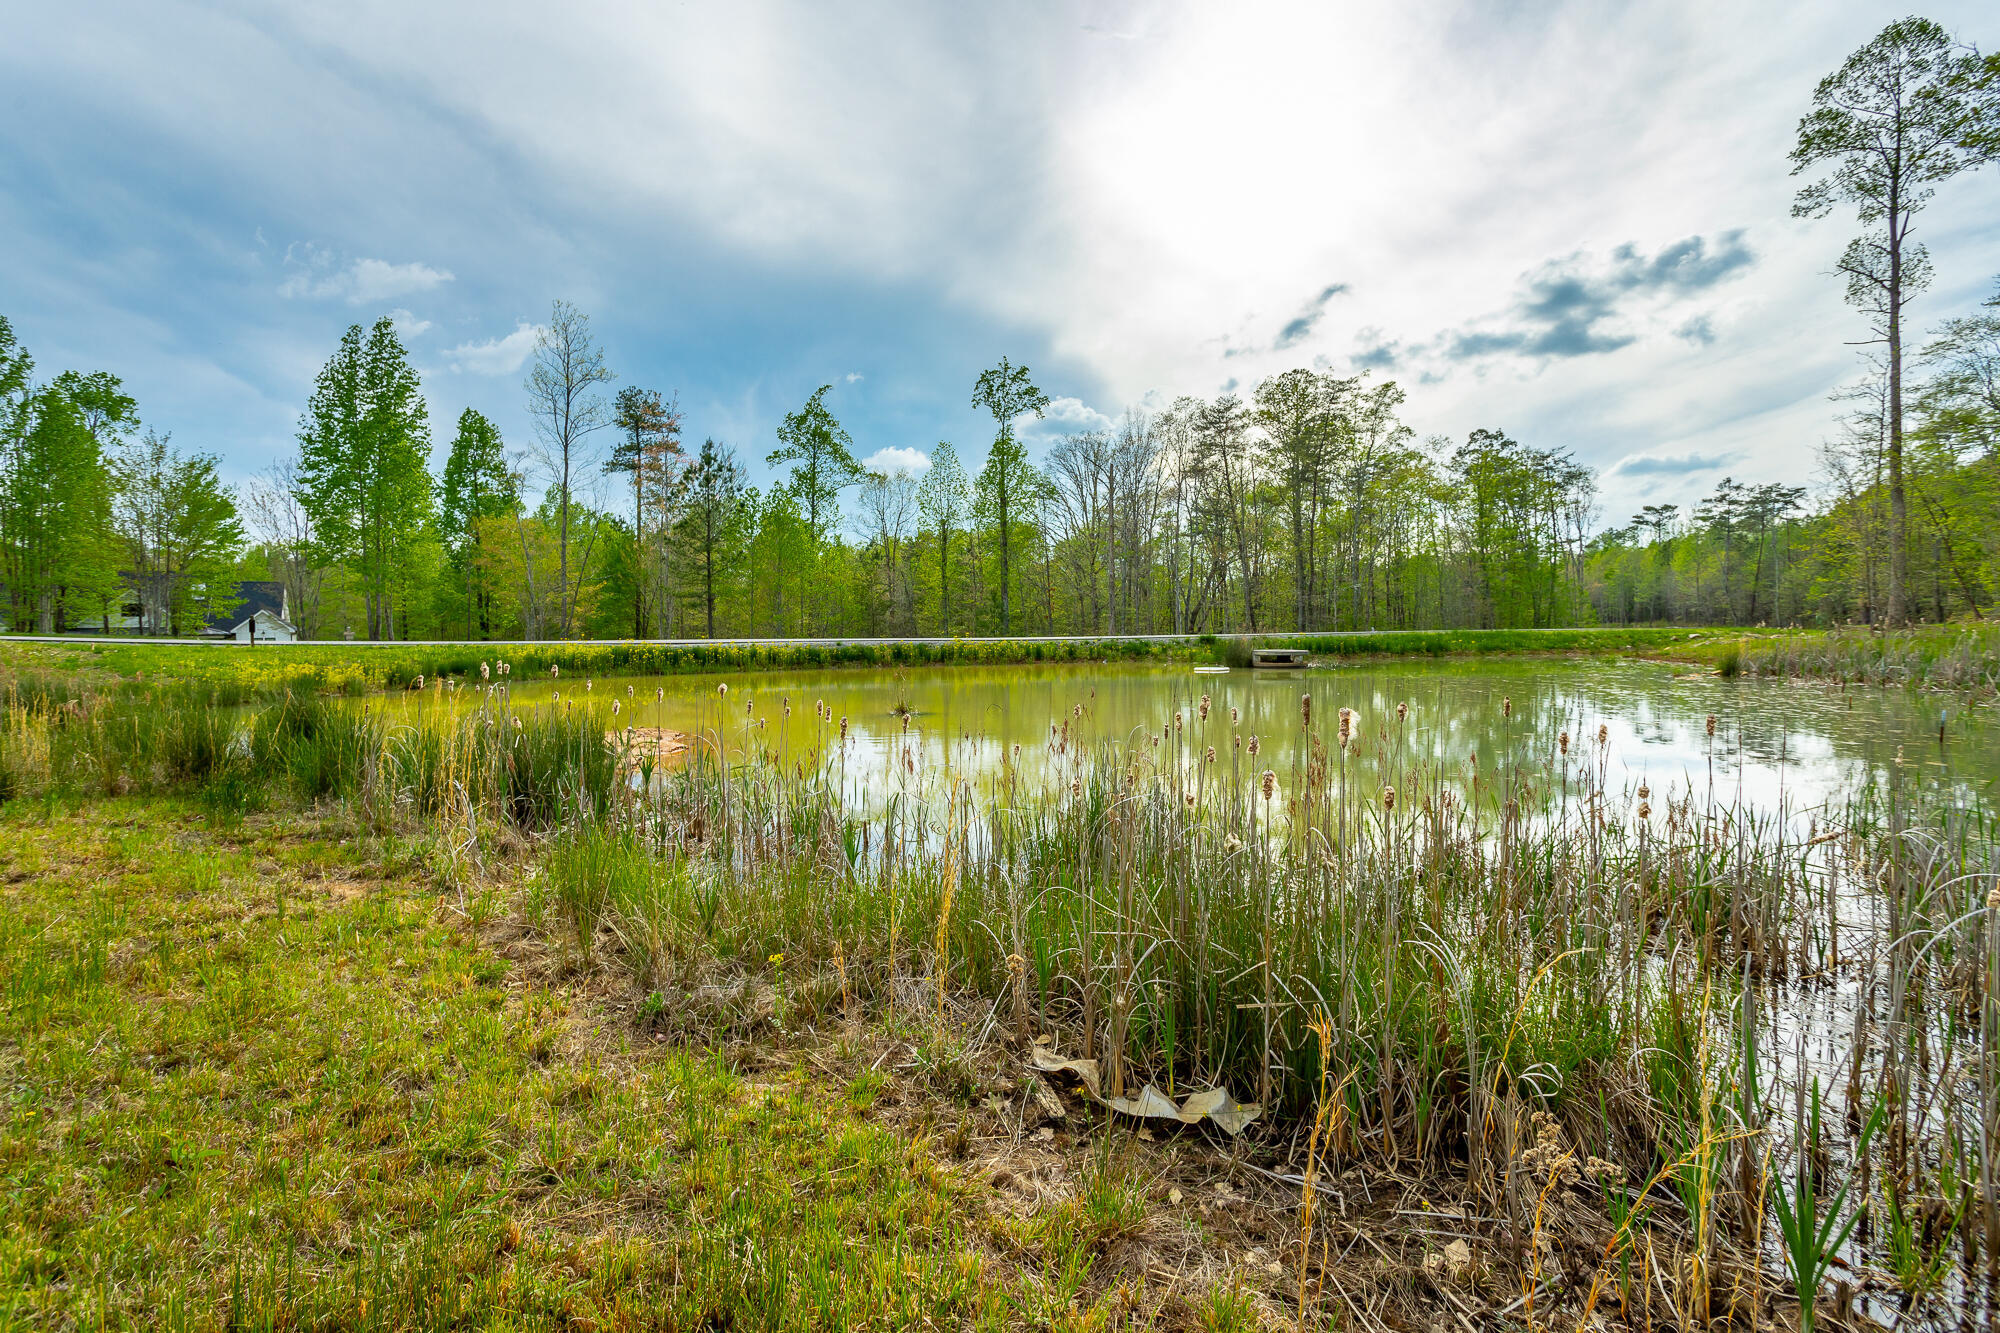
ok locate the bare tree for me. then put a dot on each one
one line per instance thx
(280, 524)
(567, 409)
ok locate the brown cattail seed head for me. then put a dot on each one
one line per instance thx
(1204, 708)
(420, 682)
(659, 693)
(1711, 724)
(1269, 782)
(484, 672)
(1645, 809)
(1644, 791)
(1563, 742)
(1306, 709)
(723, 688)
(1603, 733)
(843, 727)
(1506, 705)
(1402, 710)
(1993, 899)
(1388, 798)
(555, 670)
(1346, 725)
(1210, 756)
(1254, 747)
(1076, 787)
(628, 691)
(1234, 715)
(614, 708)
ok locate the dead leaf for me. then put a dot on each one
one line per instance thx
(1215, 1105)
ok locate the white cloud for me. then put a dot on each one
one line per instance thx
(895, 458)
(496, 356)
(407, 324)
(853, 376)
(317, 275)
(1067, 416)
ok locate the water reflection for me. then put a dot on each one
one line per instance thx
(1774, 745)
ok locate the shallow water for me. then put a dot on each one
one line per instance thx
(1802, 745)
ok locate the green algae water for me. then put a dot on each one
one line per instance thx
(1759, 744)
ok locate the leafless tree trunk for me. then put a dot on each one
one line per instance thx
(567, 410)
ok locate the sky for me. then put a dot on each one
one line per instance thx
(1570, 222)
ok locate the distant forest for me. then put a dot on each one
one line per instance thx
(1306, 504)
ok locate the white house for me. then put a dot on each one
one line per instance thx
(262, 613)
(261, 618)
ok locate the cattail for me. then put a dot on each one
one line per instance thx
(1204, 708)
(1506, 705)
(1189, 798)
(555, 696)
(1017, 752)
(1177, 720)
(484, 672)
(1077, 711)
(659, 694)
(1562, 742)
(588, 685)
(1346, 725)
(1644, 791)
(628, 691)
(788, 708)
(1711, 724)
(1645, 810)
(749, 707)
(1076, 787)
(843, 727)
(1306, 709)
(1603, 734)
(555, 670)
(1234, 715)
(1388, 798)
(1235, 742)
(1402, 710)
(1993, 899)
(1254, 747)
(614, 708)
(1210, 756)
(420, 682)
(517, 724)
(1269, 782)
(723, 688)
(906, 722)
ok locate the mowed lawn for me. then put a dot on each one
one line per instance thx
(264, 1075)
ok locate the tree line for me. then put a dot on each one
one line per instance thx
(1304, 504)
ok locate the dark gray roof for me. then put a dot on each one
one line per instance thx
(258, 595)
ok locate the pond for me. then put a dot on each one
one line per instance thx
(1802, 745)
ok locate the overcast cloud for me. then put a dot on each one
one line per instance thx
(1570, 222)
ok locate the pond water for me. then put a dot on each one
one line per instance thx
(1797, 744)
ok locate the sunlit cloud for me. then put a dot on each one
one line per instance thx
(496, 356)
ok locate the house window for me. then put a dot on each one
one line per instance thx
(131, 609)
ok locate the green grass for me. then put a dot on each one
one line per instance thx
(238, 673)
(263, 1076)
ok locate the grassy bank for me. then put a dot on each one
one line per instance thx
(1941, 657)
(261, 1074)
(269, 671)
(1528, 994)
